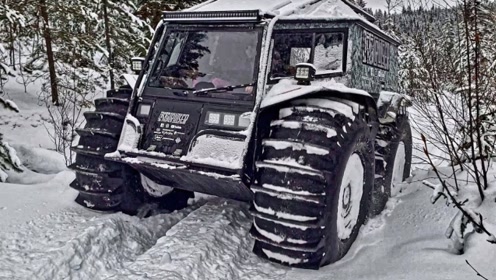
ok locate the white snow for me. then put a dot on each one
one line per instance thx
(216, 151)
(275, 6)
(45, 235)
(210, 243)
(153, 188)
(285, 196)
(305, 171)
(283, 215)
(345, 107)
(129, 135)
(287, 190)
(281, 145)
(283, 258)
(40, 160)
(285, 112)
(287, 89)
(330, 132)
(270, 236)
(290, 162)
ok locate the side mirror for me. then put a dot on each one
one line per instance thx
(137, 64)
(305, 73)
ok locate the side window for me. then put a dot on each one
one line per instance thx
(289, 50)
(324, 50)
(329, 52)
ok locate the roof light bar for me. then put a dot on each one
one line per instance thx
(252, 16)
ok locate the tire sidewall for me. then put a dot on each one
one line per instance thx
(402, 134)
(361, 144)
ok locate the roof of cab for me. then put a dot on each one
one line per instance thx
(286, 8)
(326, 10)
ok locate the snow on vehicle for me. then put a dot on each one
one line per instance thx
(286, 104)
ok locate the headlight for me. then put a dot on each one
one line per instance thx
(305, 73)
(137, 64)
(144, 110)
(213, 118)
(302, 73)
(228, 119)
(244, 120)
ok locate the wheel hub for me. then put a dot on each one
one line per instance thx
(398, 169)
(350, 196)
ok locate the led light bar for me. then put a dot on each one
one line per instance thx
(228, 119)
(252, 16)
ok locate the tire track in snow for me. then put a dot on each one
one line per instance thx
(105, 244)
(23, 248)
(212, 242)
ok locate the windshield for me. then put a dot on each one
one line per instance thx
(196, 60)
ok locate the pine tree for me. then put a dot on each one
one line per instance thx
(151, 10)
(361, 3)
(8, 158)
(475, 66)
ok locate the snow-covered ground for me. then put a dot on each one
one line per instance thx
(45, 235)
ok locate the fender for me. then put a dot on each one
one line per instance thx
(287, 90)
(392, 104)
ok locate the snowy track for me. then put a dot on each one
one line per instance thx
(211, 243)
(105, 244)
(45, 235)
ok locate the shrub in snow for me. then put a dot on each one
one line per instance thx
(450, 73)
(75, 98)
(8, 157)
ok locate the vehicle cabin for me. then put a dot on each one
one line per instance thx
(336, 36)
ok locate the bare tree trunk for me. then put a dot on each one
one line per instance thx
(12, 50)
(51, 62)
(470, 103)
(109, 47)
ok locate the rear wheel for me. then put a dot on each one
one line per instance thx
(393, 160)
(105, 185)
(312, 183)
(398, 157)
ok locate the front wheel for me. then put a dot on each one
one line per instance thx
(105, 185)
(313, 182)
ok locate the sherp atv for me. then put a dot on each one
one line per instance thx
(288, 105)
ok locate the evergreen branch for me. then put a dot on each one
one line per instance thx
(9, 105)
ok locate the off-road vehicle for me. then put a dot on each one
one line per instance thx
(286, 104)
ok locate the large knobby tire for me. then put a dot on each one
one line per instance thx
(393, 160)
(397, 155)
(106, 185)
(313, 182)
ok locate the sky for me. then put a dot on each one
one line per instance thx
(376, 4)
(381, 4)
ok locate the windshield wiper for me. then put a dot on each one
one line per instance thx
(217, 89)
(180, 91)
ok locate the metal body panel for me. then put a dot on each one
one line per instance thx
(168, 134)
(191, 178)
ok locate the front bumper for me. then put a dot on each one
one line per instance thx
(190, 177)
